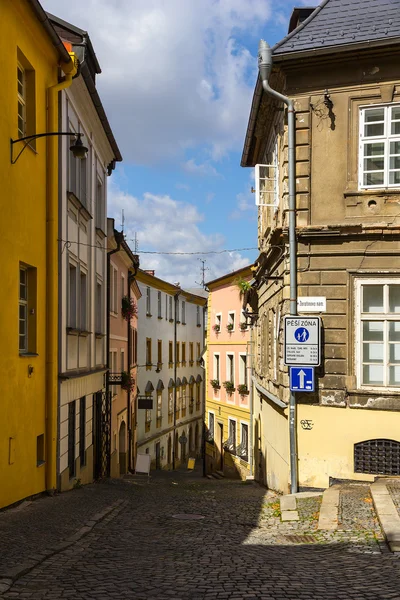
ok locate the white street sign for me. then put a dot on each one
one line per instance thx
(302, 341)
(311, 304)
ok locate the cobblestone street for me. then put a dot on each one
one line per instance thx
(121, 539)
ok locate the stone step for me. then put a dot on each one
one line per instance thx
(220, 473)
(216, 476)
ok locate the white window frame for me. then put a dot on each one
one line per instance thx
(148, 301)
(230, 376)
(218, 320)
(243, 369)
(233, 420)
(198, 323)
(211, 433)
(232, 318)
(159, 305)
(113, 289)
(183, 312)
(23, 302)
(217, 370)
(384, 316)
(386, 138)
(21, 100)
(246, 423)
(272, 195)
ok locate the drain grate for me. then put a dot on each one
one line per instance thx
(300, 539)
(188, 517)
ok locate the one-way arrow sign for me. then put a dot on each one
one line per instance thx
(301, 379)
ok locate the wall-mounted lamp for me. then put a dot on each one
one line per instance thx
(77, 148)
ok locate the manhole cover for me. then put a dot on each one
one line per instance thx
(300, 539)
(188, 517)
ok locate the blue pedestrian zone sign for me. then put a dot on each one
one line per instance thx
(302, 379)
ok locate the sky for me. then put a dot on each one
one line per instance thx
(177, 82)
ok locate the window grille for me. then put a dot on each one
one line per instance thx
(377, 457)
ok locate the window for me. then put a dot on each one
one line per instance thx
(216, 367)
(183, 312)
(26, 98)
(72, 308)
(198, 396)
(198, 320)
(379, 164)
(244, 442)
(113, 290)
(184, 388)
(113, 369)
(21, 79)
(191, 360)
(159, 305)
(122, 286)
(177, 353)
(40, 452)
(147, 420)
(71, 438)
(243, 369)
(177, 310)
(159, 408)
(170, 309)
(166, 306)
(78, 174)
(170, 352)
(231, 321)
(183, 353)
(148, 302)
(148, 352)
(170, 405)
(99, 306)
(27, 309)
(230, 368)
(379, 333)
(133, 346)
(218, 322)
(211, 425)
(83, 302)
(122, 360)
(159, 353)
(232, 436)
(100, 204)
(267, 179)
(82, 430)
(198, 352)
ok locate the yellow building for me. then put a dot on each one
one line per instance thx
(228, 386)
(34, 66)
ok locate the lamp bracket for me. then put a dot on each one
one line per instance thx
(29, 138)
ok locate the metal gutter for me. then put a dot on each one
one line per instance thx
(268, 394)
(301, 26)
(44, 20)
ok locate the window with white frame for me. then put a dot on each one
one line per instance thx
(72, 291)
(243, 369)
(99, 305)
(183, 312)
(148, 302)
(113, 289)
(378, 328)
(159, 305)
(267, 179)
(166, 306)
(244, 441)
(379, 162)
(198, 321)
(122, 359)
(122, 285)
(216, 367)
(231, 321)
(230, 368)
(23, 309)
(21, 80)
(113, 357)
(27, 309)
(83, 307)
(170, 308)
(211, 425)
(231, 446)
(100, 203)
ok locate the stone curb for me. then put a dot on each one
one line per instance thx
(7, 580)
(328, 514)
(387, 514)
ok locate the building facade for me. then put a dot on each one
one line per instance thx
(228, 377)
(35, 66)
(124, 294)
(82, 271)
(340, 69)
(170, 373)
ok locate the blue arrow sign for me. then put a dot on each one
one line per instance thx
(302, 379)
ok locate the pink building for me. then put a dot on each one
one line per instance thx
(124, 294)
(228, 406)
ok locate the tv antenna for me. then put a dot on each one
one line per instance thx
(203, 270)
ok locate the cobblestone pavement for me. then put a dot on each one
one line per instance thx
(394, 489)
(239, 550)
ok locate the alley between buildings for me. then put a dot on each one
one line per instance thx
(185, 537)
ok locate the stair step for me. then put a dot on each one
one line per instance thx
(216, 476)
(220, 473)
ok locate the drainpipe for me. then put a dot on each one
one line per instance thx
(70, 70)
(131, 278)
(265, 66)
(176, 300)
(250, 384)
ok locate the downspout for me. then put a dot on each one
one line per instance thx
(250, 384)
(131, 278)
(70, 70)
(265, 66)
(108, 302)
(176, 299)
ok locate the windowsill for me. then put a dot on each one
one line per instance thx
(177, 321)
(159, 318)
(183, 322)
(171, 320)
(78, 332)
(40, 463)
(376, 391)
(379, 191)
(148, 315)
(79, 204)
(99, 335)
(100, 232)
(198, 325)
(113, 314)
(28, 354)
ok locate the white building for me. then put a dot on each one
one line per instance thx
(170, 371)
(83, 441)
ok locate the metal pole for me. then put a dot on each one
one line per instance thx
(265, 66)
(250, 384)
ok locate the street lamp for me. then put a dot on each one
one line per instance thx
(77, 148)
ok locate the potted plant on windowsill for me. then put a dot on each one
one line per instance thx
(243, 389)
(216, 328)
(243, 326)
(127, 381)
(230, 327)
(215, 384)
(229, 386)
(128, 308)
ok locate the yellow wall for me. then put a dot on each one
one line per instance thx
(327, 449)
(22, 238)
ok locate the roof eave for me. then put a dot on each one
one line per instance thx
(44, 20)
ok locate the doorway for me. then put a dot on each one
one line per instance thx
(183, 447)
(190, 440)
(169, 452)
(122, 448)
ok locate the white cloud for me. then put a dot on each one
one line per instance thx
(175, 76)
(203, 170)
(161, 222)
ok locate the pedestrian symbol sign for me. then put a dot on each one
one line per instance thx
(301, 379)
(302, 341)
